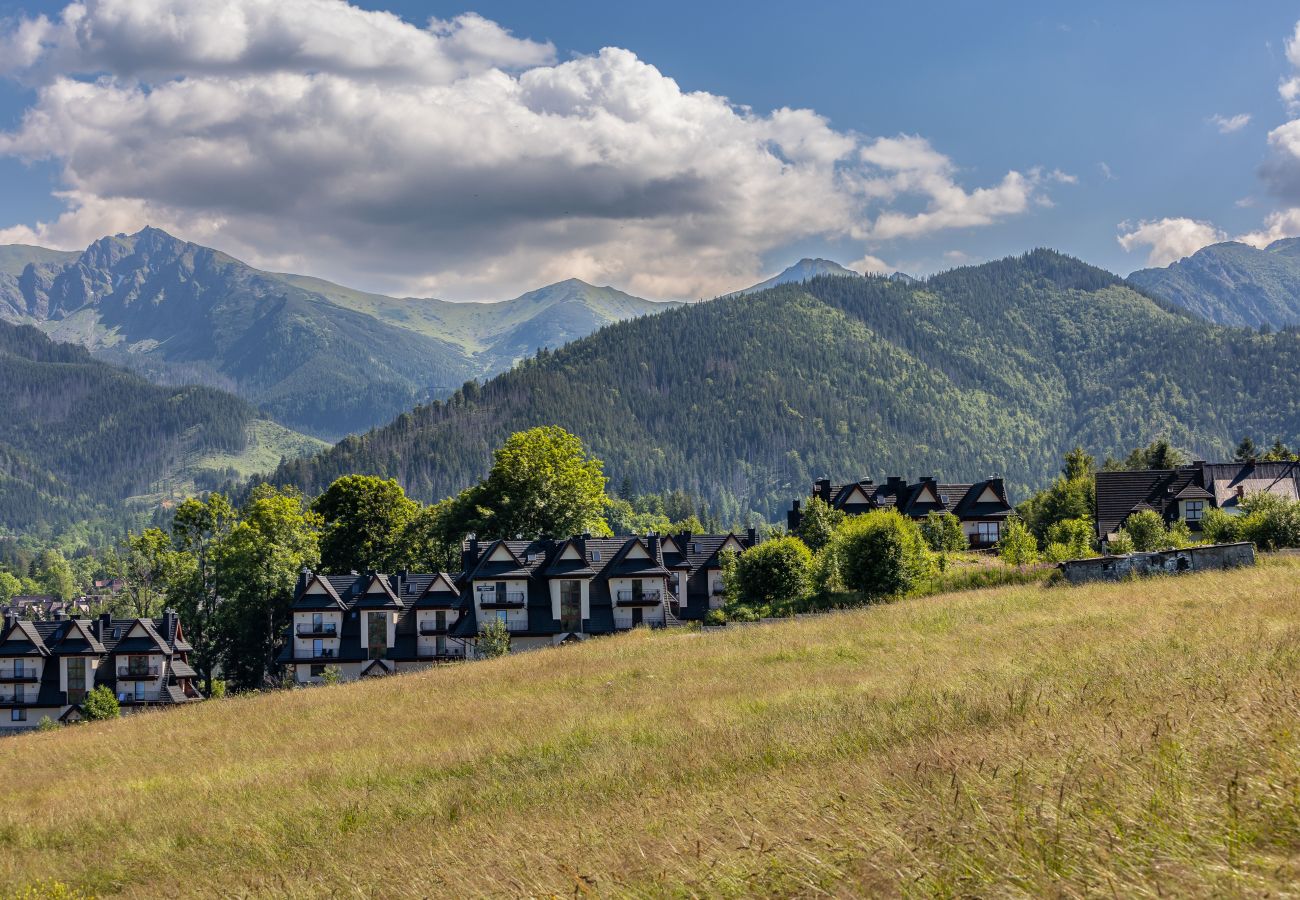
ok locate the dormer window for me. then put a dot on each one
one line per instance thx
(695, 548)
(595, 556)
(1194, 510)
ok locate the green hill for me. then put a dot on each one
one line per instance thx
(1233, 284)
(78, 437)
(1115, 740)
(993, 369)
(316, 356)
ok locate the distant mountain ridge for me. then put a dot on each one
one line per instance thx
(804, 270)
(1233, 283)
(316, 356)
(995, 369)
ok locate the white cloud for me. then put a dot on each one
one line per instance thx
(1170, 239)
(1106, 173)
(455, 159)
(871, 265)
(1229, 124)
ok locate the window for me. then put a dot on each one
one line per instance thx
(503, 616)
(139, 690)
(501, 591)
(317, 671)
(138, 665)
(570, 605)
(638, 590)
(76, 679)
(317, 622)
(1194, 510)
(988, 532)
(317, 647)
(440, 642)
(595, 556)
(17, 715)
(377, 635)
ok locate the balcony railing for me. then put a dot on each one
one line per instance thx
(308, 656)
(139, 697)
(496, 600)
(446, 653)
(432, 628)
(12, 696)
(644, 598)
(327, 629)
(138, 673)
(23, 674)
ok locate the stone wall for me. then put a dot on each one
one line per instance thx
(1161, 562)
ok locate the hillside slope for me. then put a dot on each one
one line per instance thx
(317, 356)
(1233, 283)
(994, 369)
(1121, 739)
(79, 436)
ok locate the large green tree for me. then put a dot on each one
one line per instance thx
(774, 577)
(881, 554)
(258, 565)
(365, 520)
(198, 528)
(146, 563)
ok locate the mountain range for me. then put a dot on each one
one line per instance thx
(316, 356)
(990, 369)
(1233, 283)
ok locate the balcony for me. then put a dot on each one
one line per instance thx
(447, 654)
(323, 630)
(15, 697)
(429, 629)
(150, 696)
(497, 600)
(138, 673)
(25, 674)
(307, 656)
(644, 598)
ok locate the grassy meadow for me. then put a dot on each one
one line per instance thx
(1132, 740)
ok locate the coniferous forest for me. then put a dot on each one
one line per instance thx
(991, 369)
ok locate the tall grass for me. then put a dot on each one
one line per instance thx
(1137, 739)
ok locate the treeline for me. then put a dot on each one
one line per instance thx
(743, 401)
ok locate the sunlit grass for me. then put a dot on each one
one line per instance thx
(1137, 739)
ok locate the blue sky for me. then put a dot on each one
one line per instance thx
(1126, 89)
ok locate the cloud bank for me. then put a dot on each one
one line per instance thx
(453, 159)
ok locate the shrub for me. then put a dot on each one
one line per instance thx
(1121, 544)
(774, 575)
(100, 704)
(331, 675)
(1219, 527)
(493, 639)
(715, 617)
(1147, 529)
(48, 724)
(881, 554)
(218, 689)
(1179, 535)
(1271, 522)
(942, 531)
(1073, 537)
(818, 523)
(1018, 546)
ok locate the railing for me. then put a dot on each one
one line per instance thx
(514, 625)
(12, 696)
(328, 629)
(324, 654)
(430, 628)
(141, 697)
(23, 674)
(632, 598)
(138, 672)
(496, 598)
(444, 653)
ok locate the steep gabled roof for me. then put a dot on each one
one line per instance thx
(73, 637)
(440, 592)
(378, 594)
(23, 639)
(510, 567)
(577, 565)
(139, 636)
(325, 599)
(626, 565)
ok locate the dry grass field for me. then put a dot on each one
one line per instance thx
(1131, 740)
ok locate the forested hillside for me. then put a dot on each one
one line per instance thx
(78, 436)
(1233, 283)
(997, 368)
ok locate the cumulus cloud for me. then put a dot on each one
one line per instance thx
(1170, 239)
(1229, 124)
(453, 159)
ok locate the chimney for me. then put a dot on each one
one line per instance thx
(894, 483)
(105, 626)
(652, 544)
(822, 488)
(469, 552)
(796, 506)
(9, 620)
(927, 479)
(751, 537)
(169, 623)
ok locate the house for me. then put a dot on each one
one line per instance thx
(1185, 493)
(546, 591)
(46, 606)
(982, 507)
(47, 667)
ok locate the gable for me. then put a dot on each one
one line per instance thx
(571, 552)
(75, 630)
(857, 495)
(137, 631)
(636, 551)
(731, 544)
(989, 496)
(378, 586)
(670, 546)
(502, 554)
(316, 587)
(440, 585)
(926, 495)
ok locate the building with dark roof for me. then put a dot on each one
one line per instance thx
(1186, 492)
(47, 667)
(982, 506)
(546, 591)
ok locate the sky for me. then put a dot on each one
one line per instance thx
(674, 150)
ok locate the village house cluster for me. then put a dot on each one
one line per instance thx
(48, 667)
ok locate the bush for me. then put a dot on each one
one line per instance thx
(1121, 544)
(1147, 529)
(715, 617)
(1271, 522)
(48, 724)
(1072, 537)
(331, 675)
(818, 523)
(1179, 535)
(493, 639)
(881, 554)
(1219, 527)
(1018, 546)
(218, 689)
(773, 576)
(942, 531)
(100, 704)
